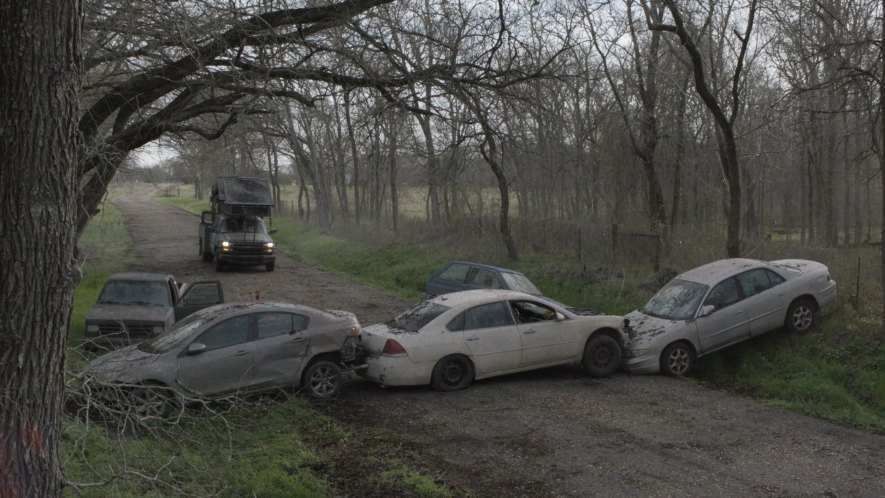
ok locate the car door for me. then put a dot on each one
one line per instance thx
(765, 299)
(544, 338)
(223, 364)
(280, 348)
(492, 337)
(727, 322)
(197, 296)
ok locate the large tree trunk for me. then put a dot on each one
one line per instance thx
(38, 191)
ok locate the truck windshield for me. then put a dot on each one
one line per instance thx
(243, 225)
(135, 292)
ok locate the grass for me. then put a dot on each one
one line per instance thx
(836, 372)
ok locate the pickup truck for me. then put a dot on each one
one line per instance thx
(133, 307)
(236, 240)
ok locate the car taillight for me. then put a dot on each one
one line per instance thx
(393, 348)
(353, 330)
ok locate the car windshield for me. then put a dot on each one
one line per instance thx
(419, 316)
(678, 300)
(521, 283)
(178, 334)
(137, 292)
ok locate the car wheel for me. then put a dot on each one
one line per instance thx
(219, 265)
(323, 379)
(677, 359)
(452, 373)
(602, 356)
(269, 266)
(152, 402)
(800, 316)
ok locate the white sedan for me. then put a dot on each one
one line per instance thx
(722, 303)
(452, 339)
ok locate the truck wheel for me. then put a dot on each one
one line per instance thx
(219, 265)
(269, 266)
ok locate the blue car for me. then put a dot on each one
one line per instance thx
(462, 275)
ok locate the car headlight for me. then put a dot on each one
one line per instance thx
(269, 245)
(91, 328)
(225, 243)
(158, 329)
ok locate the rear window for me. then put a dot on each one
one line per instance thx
(419, 316)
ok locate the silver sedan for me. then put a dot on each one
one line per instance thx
(722, 303)
(226, 350)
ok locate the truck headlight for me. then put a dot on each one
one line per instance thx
(91, 328)
(158, 329)
(225, 243)
(269, 245)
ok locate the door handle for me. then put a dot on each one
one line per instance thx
(242, 352)
(530, 331)
(293, 341)
(472, 338)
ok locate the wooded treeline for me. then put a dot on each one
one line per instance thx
(581, 111)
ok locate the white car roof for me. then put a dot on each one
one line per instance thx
(477, 296)
(712, 273)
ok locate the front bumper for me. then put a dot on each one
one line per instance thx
(234, 258)
(647, 364)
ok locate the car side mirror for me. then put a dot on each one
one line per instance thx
(195, 348)
(272, 231)
(707, 310)
(559, 316)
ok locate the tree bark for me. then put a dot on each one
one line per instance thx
(40, 49)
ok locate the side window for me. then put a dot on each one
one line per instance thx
(754, 281)
(775, 278)
(456, 272)
(227, 333)
(528, 312)
(457, 323)
(275, 324)
(487, 315)
(202, 294)
(724, 294)
(486, 279)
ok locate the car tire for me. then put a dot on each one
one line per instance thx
(452, 373)
(602, 356)
(323, 379)
(678, 359)
(219, 265)
(152, 402)
(800, 316)
(269, 266)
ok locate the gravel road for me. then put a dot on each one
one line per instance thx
(553, 432)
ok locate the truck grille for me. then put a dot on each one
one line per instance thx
(125, 330)
(241, 249)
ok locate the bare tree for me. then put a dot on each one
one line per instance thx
(725, 111)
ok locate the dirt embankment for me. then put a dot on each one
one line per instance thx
(552, 432)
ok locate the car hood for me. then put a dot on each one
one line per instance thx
(645, 328)
(119, 365)
(129, 312)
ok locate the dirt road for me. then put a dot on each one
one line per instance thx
(553, 432)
